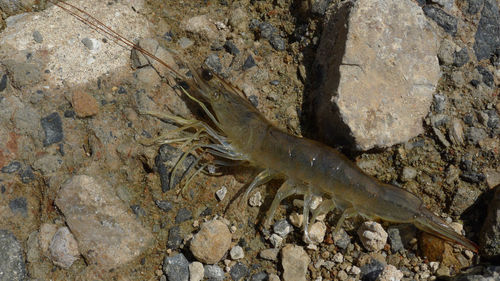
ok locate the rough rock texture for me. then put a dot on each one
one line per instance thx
(372, 235)
(211, 243)
(378, 70)
(63, 248)
(294, 261)
(107, 233)
(489, 238)
(487, 38)
(12, 265)
(75, 62)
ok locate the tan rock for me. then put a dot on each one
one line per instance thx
(84, 104)
(211, 243)
(295, 262)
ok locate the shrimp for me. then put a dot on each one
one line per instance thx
(239, 132)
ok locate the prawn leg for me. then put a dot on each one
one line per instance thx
(348, 213)
(288, 188)
(261, 178)
(324, 208)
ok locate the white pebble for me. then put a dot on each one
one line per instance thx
(355, 270)
(221, 193)
(338, 258)
(372, 235)
(317, 232)
(276, 240)
(255, 200)
(236, 253)
(296, 219)
(434, 265)
(390, 273)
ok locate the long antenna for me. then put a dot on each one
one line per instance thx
(97, 25)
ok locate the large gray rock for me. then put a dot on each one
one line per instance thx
(74, 53)
(378, 68)
(108, 235)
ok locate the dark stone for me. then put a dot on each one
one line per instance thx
(2, 188)
(319, 7)
(164, 205)
(12, 167)
(446, 21)
(261, 276)
(213, 272)
(277, 42)
(395, 239)
(249, 63)
(183, 215)
(238, 271)
(27, 175)
(176, 268)
(213, 63)
(69, 113)
(473, 177)
(269, 32)
(52, 126)
(3, 82)
(487, 76)
(266, 30)
(274, 82)
(372, 270)
(12, 266)
(138, 210)
(174, 238)
(487, 38)
(206, 212)
(168, 36)
(475, 135)
(461, 57)
(475, 82)
(19, 206)
(254, 100)
(469, 119)
(493, 119)
(231, 48)
(122, 90)
(37, 36)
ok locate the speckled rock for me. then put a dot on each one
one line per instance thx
(379, 69)
(176, 268)
(63, 248)
(317, 232)
(213, 272)
(294, 261)
(196, 271)
(84, 104)
(372, 235)
(108, 234)
(12, 265)
(390, 273)
(211, 243)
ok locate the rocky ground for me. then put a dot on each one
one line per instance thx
(407, 89)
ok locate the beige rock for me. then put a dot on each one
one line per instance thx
(107, 232)
(372, 235)
(378, 59)
(390, 273)
(63, 248)
(84, 104)
(211, 243)
(295, 262)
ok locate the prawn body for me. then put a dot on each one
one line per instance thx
(312, 168)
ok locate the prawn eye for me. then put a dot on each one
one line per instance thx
(207, 75)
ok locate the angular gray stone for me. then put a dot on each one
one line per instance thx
(378, 70)
(176, 268)
(12, 266)
(487, 38)
(107, 232)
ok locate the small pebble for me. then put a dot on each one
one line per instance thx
(12, 167)
(183, 215)
(164, 205)
(196, 271)
(372, 235)
(19, 206)
(213, 63)
(408, 174)
(37, 36)
(341, 239)
(256, 200)
(317, 232)
(63, 248)
(231, 47)
(211, 243)
(213, 272)
(249, 63)
(176, 268)
(269, 254)
(237, 253)
(52, 126)
(342, 275)
(276, 240)
(355, 270)
(221, 193)
(238, 271)
(390, 273)
(260, 276)
(174, 238)
(282, 227)
(296, 219)
(395, 239)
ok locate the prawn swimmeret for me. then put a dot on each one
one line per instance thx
(241, 133)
